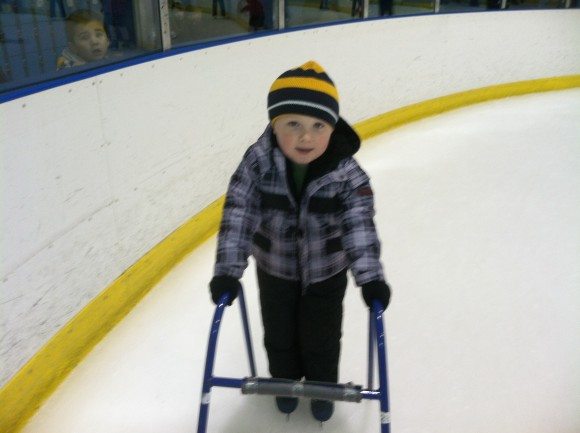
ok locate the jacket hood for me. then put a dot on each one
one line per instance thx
(344, 140)
(344, 143)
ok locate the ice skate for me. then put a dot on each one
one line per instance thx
(287, 405)
(322, 410)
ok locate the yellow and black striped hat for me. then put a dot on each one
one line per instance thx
(305, 90)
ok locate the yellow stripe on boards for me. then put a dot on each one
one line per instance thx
(21, 397)
(392, 119)
(33, 384)
(305, 83)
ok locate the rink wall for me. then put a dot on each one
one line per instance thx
(103, 175)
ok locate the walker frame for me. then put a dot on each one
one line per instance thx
(288, 388)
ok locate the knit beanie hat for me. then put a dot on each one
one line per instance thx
(306, 90)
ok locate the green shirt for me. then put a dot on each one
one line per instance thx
(299, 174)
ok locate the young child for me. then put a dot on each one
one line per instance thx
(87, 39)
(302, 206)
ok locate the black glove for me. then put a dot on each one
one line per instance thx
(378, 290)
(223, 284)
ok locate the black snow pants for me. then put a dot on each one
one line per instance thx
(302, 331)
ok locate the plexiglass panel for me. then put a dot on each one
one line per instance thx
(386, 8)
(468, 5)
(536, 4)
(44, 39)
(203, 20)
(491, 5)
(303, 12)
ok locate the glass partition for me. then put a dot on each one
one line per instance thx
(45, 39)
(468, 5)
(536, 4)
(387, 8)
(203, 20)
(302, 12)
(490, 5)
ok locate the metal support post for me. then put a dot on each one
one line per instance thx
(165, 25)
(281, 14)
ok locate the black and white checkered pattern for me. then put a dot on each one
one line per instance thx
(331, 229)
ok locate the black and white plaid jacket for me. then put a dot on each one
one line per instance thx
(308, 238)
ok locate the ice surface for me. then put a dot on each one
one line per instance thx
(479, 214)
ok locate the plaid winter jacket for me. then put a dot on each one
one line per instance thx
(306, 237)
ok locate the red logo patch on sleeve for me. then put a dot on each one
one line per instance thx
(365, 191)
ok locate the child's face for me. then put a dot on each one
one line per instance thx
(301, 138)
(90, 42)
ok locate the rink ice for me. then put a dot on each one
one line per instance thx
(478, 211)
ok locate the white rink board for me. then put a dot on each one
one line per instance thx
(97, 172)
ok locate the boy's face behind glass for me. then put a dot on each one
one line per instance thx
(90, 41)
(301, 138)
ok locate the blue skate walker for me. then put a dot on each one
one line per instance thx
(289, 388)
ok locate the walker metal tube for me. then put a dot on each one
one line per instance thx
(209, 363)
(372, 333)
(382, 364)
(291, 388)
(226, 382)
(247, 333)
(368, 394)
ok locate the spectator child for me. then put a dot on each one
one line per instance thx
(87, 39)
